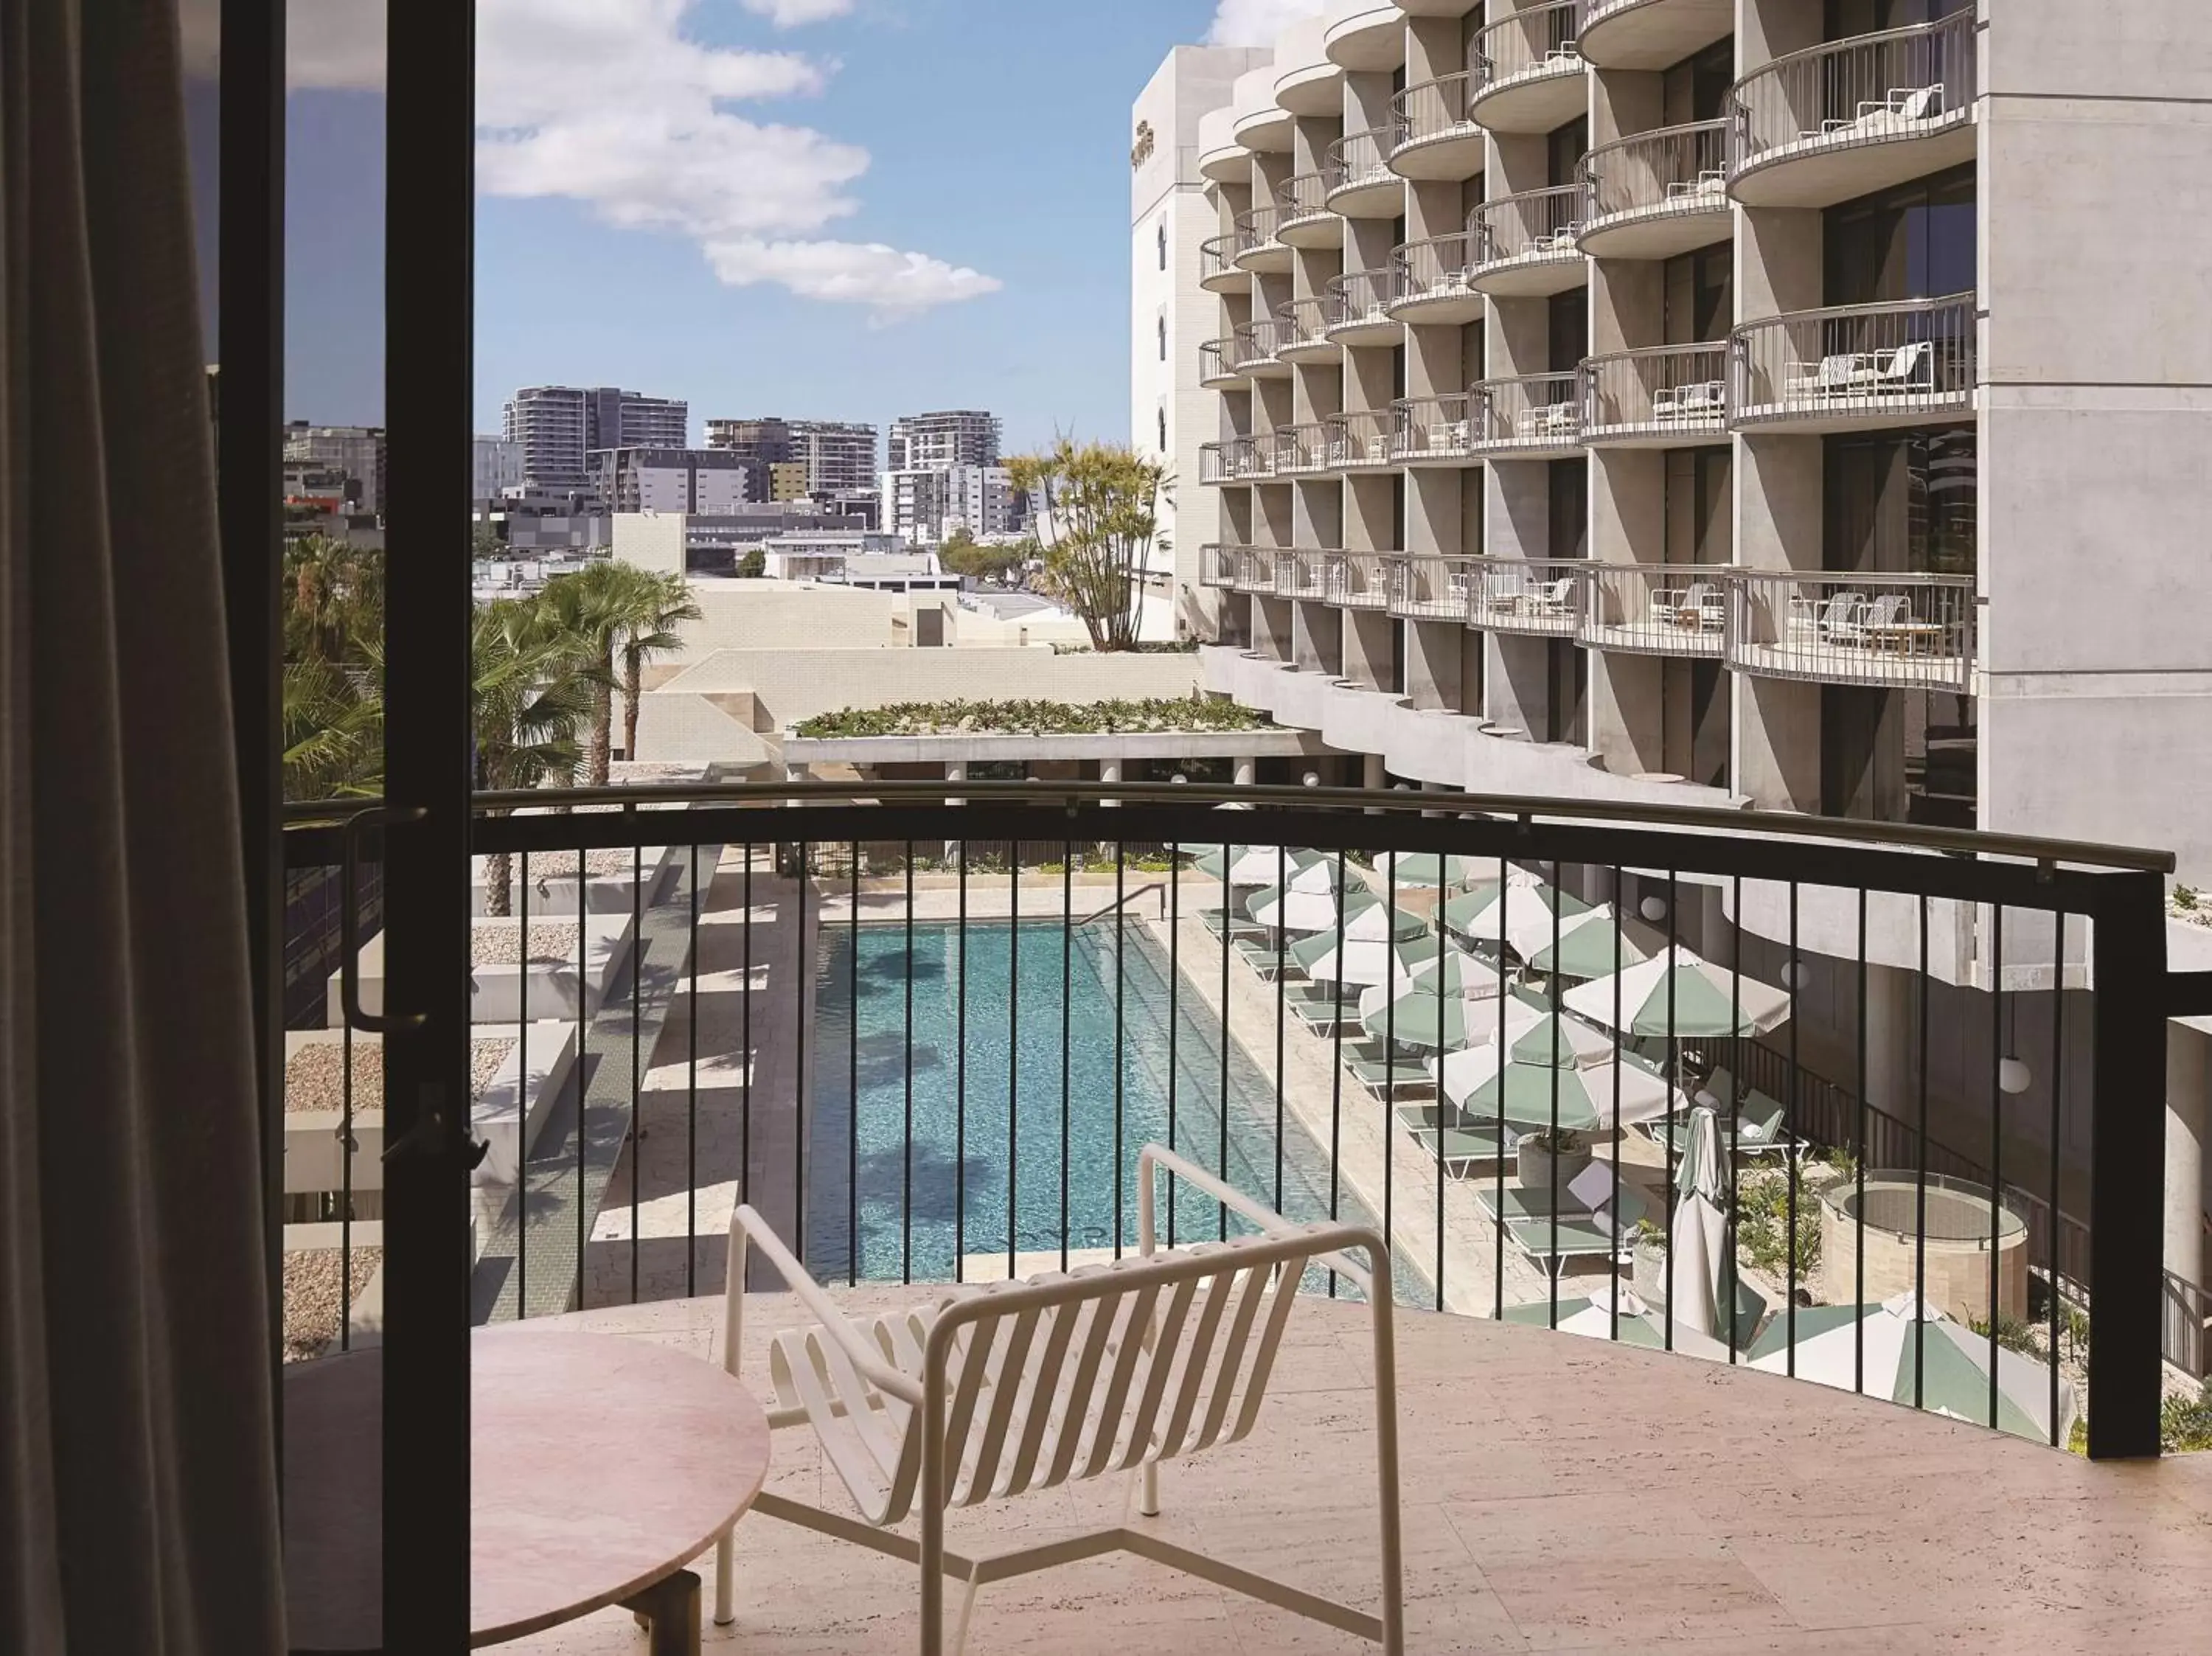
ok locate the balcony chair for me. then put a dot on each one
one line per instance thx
(1552, 420)
(1712, 182)
(1904, 107)
(1811, 381)
(1908, 368)
(1700, 400)
(994, 1391)
(1550, 600)
(1864, 623)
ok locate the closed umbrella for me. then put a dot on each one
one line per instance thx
(1699, 1232)
(1677, 992)
(1590, 945)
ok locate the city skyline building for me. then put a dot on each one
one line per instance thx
(560, 427)
(356, 451)
(945, 437)
(705, 481)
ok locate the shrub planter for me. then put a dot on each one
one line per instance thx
(1540, 1165)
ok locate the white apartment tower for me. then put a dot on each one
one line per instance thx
(950, 437)
(559, 426)
(1171, 218)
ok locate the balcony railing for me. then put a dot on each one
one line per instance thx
(1428, 586)
(1305, 573)
(1534, 228)
(1662, 392)
(918, 1079)
(1361, 300)
(1359, 438)
(1232, 460)
(1668, 610)
(1876, 629)
(1217, 263)
(1254, 345)
(1255, 569)
(1540, 596)
(1360, 161)
(1302, 448)
(1217, 564)
(1866, 364)
(1431, 429)
(1536, 43)
(1535, 411)
(1257, 232)
(1431, 112)
(1902, 84)
(1305, 326)
(1675, 171)
(1301, 202)
(1216, 366)
(1432, 271)
(1361, 580)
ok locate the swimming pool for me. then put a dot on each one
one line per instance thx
(975, 1165)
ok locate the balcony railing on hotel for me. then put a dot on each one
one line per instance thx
(1304, 325)
(1664, 391)
(1254, 343)
(1535, 226)
(1431, 429)
(1668, 610)
(1257, 230)
(1359, 438)
(1361, 298)
(1857, 364)
(1435, 268)
(924, 1025)
(1217, 261)
(1532, 42)
(1426, 587)
(1360, 161)
(1878, 630)
(1217, 564)
(1873, 88)
(1302, 448)
(1674, 170)
(1255, 569)
(1527, 411)
(1216, 361)
(1233, 459)
(1306, 572)
(1430, 111)
(1540, 596)
(1300, 198)
(1361, 580)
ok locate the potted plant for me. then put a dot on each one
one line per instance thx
(1546, 1160)
(1649, 1242)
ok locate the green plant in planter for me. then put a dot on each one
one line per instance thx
(2183, 897)
(1762, 1223)
(1647, 1234)
(2184, 1424)
(1565, 1141)
(2013, 1333)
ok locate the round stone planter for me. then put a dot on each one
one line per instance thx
(1538, 1168)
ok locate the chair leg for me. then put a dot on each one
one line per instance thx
(725, 1573)
(1148, 1490)
(967, 1614)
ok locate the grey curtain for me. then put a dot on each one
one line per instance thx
(137, 1478)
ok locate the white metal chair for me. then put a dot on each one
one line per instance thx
(999, 1389)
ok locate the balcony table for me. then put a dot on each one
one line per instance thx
(597, 1466)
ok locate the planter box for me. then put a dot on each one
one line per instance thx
(606, 890)
(548, 988)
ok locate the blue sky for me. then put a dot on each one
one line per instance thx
(878, 207)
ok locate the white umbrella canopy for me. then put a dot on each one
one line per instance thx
(1412, 869)
(1592, 1098)
(1699, 1232)
(1308, 904)
(1443, 1008)
(1677, 992)
(1261, 865)
(1529, 904)
(1365, 960)
(1590, 945)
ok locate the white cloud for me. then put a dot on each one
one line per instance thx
(793, 14)
(1256, 22)
(890, 282)
(334, 44)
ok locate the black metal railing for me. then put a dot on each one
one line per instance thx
(922, 1025)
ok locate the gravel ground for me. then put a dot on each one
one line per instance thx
(553, 941)
(312, 1297)
(484, 1058)
(315, 1076)
(2201, 914)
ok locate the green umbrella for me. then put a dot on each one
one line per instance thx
(1528, 921)
(1678, 993)
(1531, 1096)
(1253, 864)
(1428, 869)
(1444, 1008)
(1591, 946)
(1364, 960)
(1303, 907)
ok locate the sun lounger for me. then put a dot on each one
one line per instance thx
(1388, 1080)
(1263, 955)
(1555, 1243)
(1762, 1133)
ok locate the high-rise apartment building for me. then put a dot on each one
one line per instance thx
(838, 455)
(498, 468)
(560, 427)
(357, 451)
(709, 483)
(950, 437)
(927, 504)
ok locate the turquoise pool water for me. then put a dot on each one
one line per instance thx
(975, 1163)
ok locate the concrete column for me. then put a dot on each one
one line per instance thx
(1110, 772)
(1372, 771)
(955, 770)
(795, 774)
(2186, 1118)
(1248, 772)
(1892, 1037)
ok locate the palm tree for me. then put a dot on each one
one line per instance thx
(652, 631)
(333, 685)
(534, 688)
(600, 608)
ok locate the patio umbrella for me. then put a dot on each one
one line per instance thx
(1639, 1325)
(1419, 868)
(1590, 945)
(1299, 907)
(1525, 1095)
(1259, 864)
(1441, 1008)
(1699, 1231)
(1837, 1344)
(1365, 960)
(1527, 918)
(1681, 991)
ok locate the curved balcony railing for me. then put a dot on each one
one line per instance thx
(1675, 170)
(1303, 326)
(1300, 197)
(1532, 228)
(1430, 270)
(1878, 629)
(1302, 448)
(1305, 573)
(1361, 298)
(1253, 344)
(1431, 112)
(1526, 411)
(1431, 429)
(1665, 609)
(1663, 390)
(1359, 440)
(1901, 84)
(1216, 363)
(1541, 596)
(1258, 233)
(1426, 587)
(1217, 265)
(1361, 580)
(1255, 569)
(1217, 564)
(1534, 44)
(1359, 162)
(1232, 460)
(1866, 364)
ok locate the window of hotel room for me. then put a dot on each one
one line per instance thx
(1916, 242)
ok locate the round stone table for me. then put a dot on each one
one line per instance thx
(597, 1466)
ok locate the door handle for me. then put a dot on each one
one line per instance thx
(375, 1023)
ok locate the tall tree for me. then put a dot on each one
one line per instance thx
(599, 608)
(333, 684)
(1097, 515)
(533, 687)
(648, 632)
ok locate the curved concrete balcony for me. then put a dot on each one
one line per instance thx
(1534, 416)
(1652, 33)
(1528, 73)
(1217, 564)
(1662, 396)
(1836, 121)
(1217, 367)
(1431, 586)
(1254, 571)
(1218, 271)
(1307, 82)
(1304, 573)
(1527, 246)
(1856, 629)
(1221, 159)
(1856, 367)
(1232, 460)
(1430, 431)
(1364, 35)
(1252, 349)
(1361, 580)
(1304, 335)
(1360, 309)
(1656, 609)
(1657, 194)
(1361, 184)
(1259, 123)
(1542, 597)
(1302, 450)
(1304, 218)
(1259, 244)
(1433, 134)
(1360, 441)
(1428, 282)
